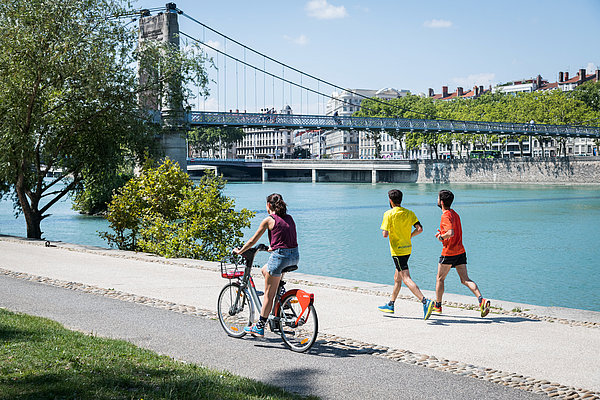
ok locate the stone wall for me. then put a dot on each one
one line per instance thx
(528, 170)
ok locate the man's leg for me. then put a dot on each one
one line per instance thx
(397, 285)
(464, 279)
(443, 270)
(405, 274)
(484, 304)
(427, 304)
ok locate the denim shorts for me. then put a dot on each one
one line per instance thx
(281, 258)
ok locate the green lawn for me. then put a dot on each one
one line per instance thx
(40, 359)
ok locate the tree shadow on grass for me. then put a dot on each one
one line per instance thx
(8, 334)
(132, 382)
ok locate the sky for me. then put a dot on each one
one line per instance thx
(412, 45)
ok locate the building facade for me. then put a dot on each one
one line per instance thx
(266, 142)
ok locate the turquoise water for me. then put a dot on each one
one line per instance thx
(534, 244)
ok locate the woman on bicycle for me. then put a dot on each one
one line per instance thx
(284, 252)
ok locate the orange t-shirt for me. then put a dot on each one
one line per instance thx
(452, 246)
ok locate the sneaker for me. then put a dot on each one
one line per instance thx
(484, 306)
(254, 331)
(437, 309)
(427, 308)
(386, 308)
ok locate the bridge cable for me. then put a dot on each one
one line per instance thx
(265, 72)
(295, 69)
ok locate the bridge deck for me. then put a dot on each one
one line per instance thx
(284, 121)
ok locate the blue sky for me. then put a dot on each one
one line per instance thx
(410, 45)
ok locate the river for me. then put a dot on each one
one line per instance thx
(533, 244)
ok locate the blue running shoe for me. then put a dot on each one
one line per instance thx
(427, 309)
(387, 308)
(254, 331)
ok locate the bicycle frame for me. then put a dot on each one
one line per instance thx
(247, 285)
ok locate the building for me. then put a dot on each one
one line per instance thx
(266, 142)
(458, 94)
(523, 86)
(353, 144)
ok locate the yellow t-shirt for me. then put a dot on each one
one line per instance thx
(399, 222)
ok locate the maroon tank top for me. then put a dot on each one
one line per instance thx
(283, 234)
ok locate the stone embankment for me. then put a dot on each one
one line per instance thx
(555, 170)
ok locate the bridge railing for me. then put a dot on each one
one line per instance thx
(291, 121)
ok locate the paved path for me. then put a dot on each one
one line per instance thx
(325, 372)
(557, 352)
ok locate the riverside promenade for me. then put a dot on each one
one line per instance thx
(551, 351)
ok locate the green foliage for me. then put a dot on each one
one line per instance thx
(589, 94)
(211, 138)
(96, 193)
(301, 153)
(163, 212)
(69, 98)
(547, 107)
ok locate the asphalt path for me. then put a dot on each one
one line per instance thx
(324, 371)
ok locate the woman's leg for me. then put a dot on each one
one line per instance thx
(271, 285)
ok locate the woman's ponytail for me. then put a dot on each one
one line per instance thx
(277, 204)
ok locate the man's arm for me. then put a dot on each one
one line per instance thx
(418, 229)
(447, 235)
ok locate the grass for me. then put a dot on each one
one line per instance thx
(40, 359)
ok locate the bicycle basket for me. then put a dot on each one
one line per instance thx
(231, 269)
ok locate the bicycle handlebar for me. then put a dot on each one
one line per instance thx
(251, 252)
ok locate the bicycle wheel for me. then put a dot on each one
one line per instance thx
(234, 316)
(298, 330)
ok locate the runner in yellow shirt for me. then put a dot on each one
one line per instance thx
(398, 226)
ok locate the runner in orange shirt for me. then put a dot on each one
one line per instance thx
(453, 253)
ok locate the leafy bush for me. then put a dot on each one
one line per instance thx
(163, 212)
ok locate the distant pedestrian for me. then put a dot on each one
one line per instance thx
(453, 253)
(398, 226)
(336, 118)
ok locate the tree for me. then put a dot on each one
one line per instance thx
(163, 212)
(300, 152)
(211, 139)
(69, 98)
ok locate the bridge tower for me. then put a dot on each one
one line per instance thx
(164, 27)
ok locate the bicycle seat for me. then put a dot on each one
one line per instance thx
(289, 268)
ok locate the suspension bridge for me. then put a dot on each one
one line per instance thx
(242, 78)
(291, 121)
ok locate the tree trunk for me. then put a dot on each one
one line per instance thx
(32, 215)
(33, 221)
(521, 147)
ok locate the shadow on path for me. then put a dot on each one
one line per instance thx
(444, 320)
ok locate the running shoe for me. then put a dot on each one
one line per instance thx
(254, 331)
(427, 308)
(437, 309)
(484, 306)
(387, 308)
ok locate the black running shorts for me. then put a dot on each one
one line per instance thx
(401, 262)
(459, 259)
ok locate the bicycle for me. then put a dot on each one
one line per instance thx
(293, 315)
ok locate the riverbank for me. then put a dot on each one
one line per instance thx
(549, 170)
(545, 349)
